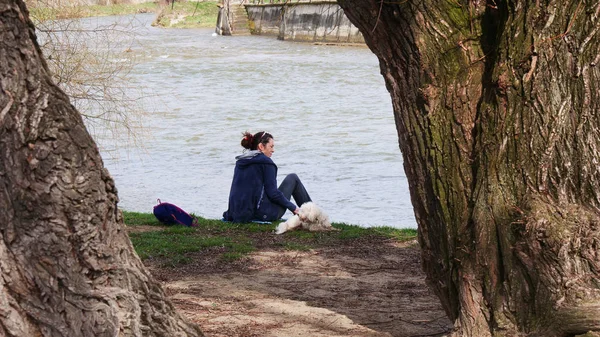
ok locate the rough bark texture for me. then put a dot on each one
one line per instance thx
(67, 265)
(497, 109)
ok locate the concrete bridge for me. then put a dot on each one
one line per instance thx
(298, 20)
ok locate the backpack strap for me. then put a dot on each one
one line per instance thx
(179, 222)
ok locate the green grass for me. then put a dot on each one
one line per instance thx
(175, 245)
(43, 13)
(135, 219)
(120, 9)
(222, 226)
(189, 15)
(183, 14)
(228, 257)
(354, 232)
(399, 234)
(296, 246)
(171, 241)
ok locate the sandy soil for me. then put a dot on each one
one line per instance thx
(362, 288)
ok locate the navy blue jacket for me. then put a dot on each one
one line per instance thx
(254, 194)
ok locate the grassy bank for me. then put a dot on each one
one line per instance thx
(42, 13)
(181, 14)
(188, 15)
(176, 245)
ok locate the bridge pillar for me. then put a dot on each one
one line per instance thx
(232, 18)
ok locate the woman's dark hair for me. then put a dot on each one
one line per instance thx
(251, 141)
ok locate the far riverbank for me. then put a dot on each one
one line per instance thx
(180, 14)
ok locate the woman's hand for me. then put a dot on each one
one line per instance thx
(297, 211)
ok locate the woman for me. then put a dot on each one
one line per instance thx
(254, 194)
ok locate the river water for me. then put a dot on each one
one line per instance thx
(326, 106)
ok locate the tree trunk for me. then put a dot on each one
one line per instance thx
(68, 267)
(497, 109)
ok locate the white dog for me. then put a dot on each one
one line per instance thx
(310, 217)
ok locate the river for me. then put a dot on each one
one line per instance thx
(326, 106)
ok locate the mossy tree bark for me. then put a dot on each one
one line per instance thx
(68, 267)
(497, 109)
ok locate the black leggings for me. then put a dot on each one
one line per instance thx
(292, 186)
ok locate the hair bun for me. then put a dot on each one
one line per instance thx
(247, 140)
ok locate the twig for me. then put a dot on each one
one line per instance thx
(573, 19)
(568, 28)
(197, 3)
(378, 16)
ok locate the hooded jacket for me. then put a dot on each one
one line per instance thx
(254, 194)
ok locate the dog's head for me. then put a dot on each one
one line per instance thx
(311, 213)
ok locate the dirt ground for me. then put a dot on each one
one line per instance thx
(365, 287)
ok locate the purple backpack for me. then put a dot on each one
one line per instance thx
(170, 214)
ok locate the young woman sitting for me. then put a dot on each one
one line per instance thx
(254, 195)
